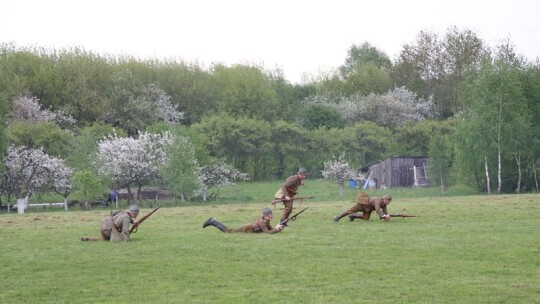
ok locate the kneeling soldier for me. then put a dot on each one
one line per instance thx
(106, 228)
(121, 224)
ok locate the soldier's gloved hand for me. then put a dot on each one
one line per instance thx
(136, 224)
(386, 217)
(287, 198)
(279, 227)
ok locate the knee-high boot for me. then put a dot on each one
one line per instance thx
(219, 226)
(213, 222)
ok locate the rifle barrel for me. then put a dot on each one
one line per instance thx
(293, 216)
(134, 227)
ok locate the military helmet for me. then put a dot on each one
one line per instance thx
(303, 171)
(388, 197)
(133, 209)
(266, 211)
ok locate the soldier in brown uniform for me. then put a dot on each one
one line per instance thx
(106, 227)
(367, 205)
(288, 190)
(121, 222)
(262, 224)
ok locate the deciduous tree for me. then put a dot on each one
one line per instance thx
(129, 161)
(218, 174)
(136, 105)
(338, 170)
(29, 171)
(87, 185)
(180, 173)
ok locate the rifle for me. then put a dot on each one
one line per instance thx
(293, 217)
(401, 215)
(136, 225)
(274, 202)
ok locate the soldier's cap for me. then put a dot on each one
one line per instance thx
(266, 211)
(303, 171)
(388, 197)
(133, 209)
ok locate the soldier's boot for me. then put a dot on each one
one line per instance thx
(213, 222)
(286, 212)
(208, 222)
(218, 225)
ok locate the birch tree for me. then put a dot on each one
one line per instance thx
(439, 160)
(498, 117)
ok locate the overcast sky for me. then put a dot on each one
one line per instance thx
(297, 36)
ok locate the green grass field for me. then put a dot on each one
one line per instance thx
(462, 249)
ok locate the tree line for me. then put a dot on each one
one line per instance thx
(473, 109)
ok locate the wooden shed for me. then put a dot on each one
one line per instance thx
(399, 171)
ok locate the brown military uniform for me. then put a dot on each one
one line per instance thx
(106, 228)
(289, 188)
(366, 205)
(120, 230)
(260, 225)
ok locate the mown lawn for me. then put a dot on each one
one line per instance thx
(464, 249)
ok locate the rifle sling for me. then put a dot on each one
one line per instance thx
(119, 229)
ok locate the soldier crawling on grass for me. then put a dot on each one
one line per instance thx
(262, 224)
(367, 205)
(115, 227)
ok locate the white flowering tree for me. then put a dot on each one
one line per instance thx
(135, 107)
(351, 108)
(56, 177)
(27, 108)
(218, 174)
(166, 110)
(338, 170)
(392, 109)
(398, 107)
(60, 178)
(133, 161)
(29, 171)
(34, 127)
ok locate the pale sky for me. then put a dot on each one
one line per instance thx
(297, 36)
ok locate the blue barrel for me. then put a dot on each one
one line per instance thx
(353, 183)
